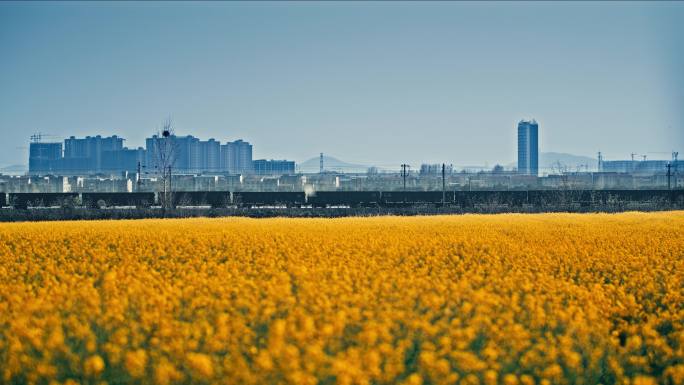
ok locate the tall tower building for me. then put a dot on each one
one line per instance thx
(528, 147)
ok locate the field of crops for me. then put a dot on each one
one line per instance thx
(501, 299)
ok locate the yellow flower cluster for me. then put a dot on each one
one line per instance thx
(500, 299)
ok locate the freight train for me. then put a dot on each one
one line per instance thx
(322, 199)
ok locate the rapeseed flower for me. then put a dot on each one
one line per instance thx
(500, 299)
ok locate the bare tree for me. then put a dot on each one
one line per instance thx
(562, 171)
(569, 189)
(165, 153)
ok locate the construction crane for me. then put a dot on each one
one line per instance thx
(38, 137)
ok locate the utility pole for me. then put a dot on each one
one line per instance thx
(139, 181)
(669, 167)
(320, 170)
(170, 198)
(676, 163)
(404, 173)
(443, 184)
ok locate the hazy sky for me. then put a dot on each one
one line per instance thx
(377, 83)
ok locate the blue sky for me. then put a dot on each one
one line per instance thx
(377, 83)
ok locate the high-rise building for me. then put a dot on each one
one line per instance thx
(528, 147)
(210, 151)
(126, 159)
(183, 152)
(236, 157)
(188, 159)
(107, 156)
(274, 167)
(90, 146)
(85, 155)
(152, 155)
(43, 157)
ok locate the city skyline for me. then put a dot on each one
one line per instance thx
(415, 83)
(210, 153)
(187, 154)
(552, 163)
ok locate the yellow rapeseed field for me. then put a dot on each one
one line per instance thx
(501, 299)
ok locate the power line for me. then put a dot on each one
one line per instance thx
(404, 173)
(443, 184)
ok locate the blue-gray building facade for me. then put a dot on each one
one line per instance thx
(273, 167)
(191, 155)
(643, 167)
(43, 157)
(528, 147)
(236, 157)
(95, 155)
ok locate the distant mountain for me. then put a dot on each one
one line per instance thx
(329, 164)
(572, 162)
(550, 160)
(14, 169)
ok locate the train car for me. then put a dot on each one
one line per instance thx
(264, 198)
(345, 198)
(3, 200)
(506, 198)
(611, 197)
(470, 199)
(558, 198)
(415, 198)
(214, 199)
(110, 199)
(26, 200)
(591, 198)
(677, 197)
(516, 198)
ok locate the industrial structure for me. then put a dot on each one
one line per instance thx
(641, 167)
